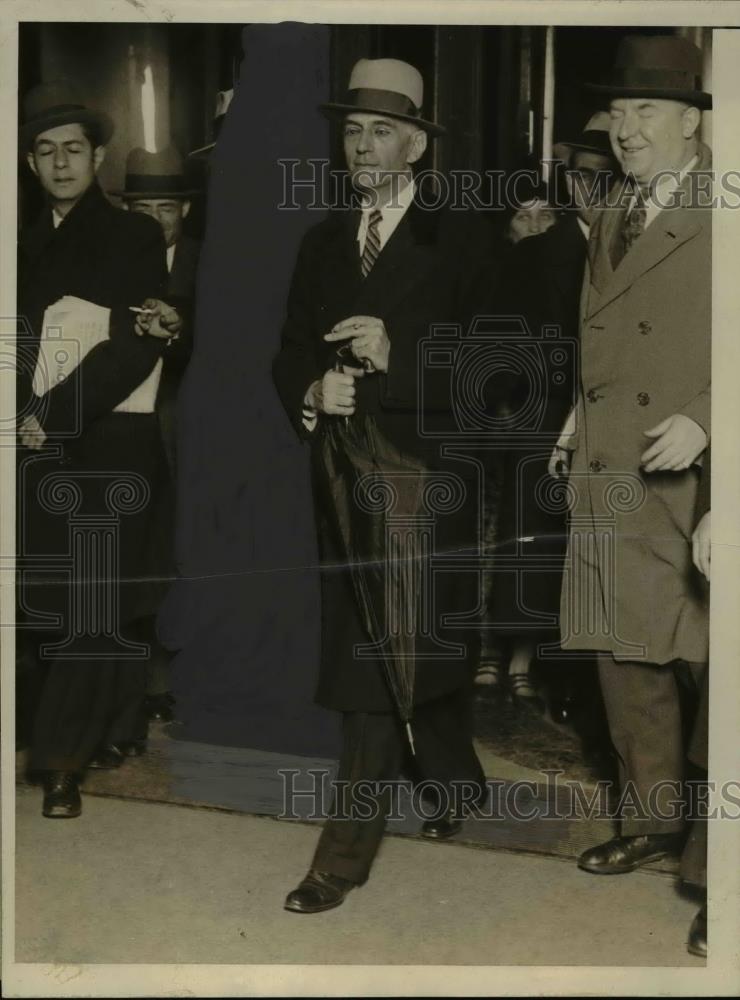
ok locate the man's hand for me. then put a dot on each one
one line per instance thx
(368, 339)
(559, 464)
(160, 321)
(32, 434)
(334, 394)
(680, 441)
(701, 544)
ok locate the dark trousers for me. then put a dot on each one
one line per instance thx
(643, 707)
(374, 749)
(694, 857)
(85, 703)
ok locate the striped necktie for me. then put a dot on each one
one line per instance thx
(634, 222)
(372, 243)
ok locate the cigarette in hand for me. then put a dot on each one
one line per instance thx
(144, 312)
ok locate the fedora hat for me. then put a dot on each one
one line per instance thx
(662, 66)
(154, 175)
(387, 87)
(48, 105)
(593, 139)
(223, 100)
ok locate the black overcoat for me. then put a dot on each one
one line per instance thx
(115, 259)
(436, 269)
(542, 278)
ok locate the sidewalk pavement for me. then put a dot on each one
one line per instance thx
(138, 882)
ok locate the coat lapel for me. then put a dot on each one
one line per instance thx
(669, 230)
(403, 261)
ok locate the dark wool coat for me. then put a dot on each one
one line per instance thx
(542, 281)
(114, 259)
(435, 269)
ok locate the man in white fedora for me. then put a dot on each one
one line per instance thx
(372, 282)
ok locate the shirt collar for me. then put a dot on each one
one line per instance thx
(399, 203)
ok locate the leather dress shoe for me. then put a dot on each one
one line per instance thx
(160, 707)
(626, 854)
(61, 795)
(318, 891)
(442, 828)
(110, 756)
(697, 943)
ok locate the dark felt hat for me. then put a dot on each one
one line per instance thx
(662, 66)
(154, 175)
(49, 105)
(594, 138)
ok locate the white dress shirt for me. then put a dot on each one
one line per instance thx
(660, 196)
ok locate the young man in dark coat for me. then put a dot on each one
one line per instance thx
(374, 281)
(91, 460)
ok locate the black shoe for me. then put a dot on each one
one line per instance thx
(318, 891)
(442, 828)
(61, 795)
(626, 854)
(112, 755)
(697, 943)
(160, 707)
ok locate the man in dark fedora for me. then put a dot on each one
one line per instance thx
(90, 432)
(155, 185)
(372, 281)
(641, 430)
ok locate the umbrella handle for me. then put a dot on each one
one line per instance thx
(411, 738)
(366, 363)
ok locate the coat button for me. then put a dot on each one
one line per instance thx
(592, 396)
(643, 399)
(644, 327)
(596, 466)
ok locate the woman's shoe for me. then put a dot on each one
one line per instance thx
(524, 693)
(488, 678)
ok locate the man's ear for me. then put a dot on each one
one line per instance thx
(417, 146)
(690, 122)
(185, 208)
(98, 157)
(32, 163)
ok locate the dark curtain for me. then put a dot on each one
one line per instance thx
(245, 614)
